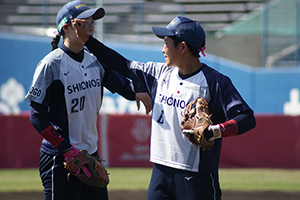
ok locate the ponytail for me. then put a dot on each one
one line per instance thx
(55, 40)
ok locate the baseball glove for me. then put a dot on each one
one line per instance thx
(195, 120)
(96, 175)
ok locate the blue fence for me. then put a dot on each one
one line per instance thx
(265, 90)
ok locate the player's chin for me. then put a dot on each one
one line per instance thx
(167, 63)
(91, 33)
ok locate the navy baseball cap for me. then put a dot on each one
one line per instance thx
(184, 28)
(76, 9)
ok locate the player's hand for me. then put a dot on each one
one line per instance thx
(80, 27)
(146, 99)
(212, 132)
(70, 154)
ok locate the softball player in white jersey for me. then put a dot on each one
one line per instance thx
(65, 98)
(181, 170)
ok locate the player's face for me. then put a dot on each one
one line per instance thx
(171, 53)
(72, 34)
(90, 27)
(71, 40)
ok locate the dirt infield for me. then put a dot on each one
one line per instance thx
(141, 195)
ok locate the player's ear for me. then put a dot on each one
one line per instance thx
(183, 47)
(65, 28)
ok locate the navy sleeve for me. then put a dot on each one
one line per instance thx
(116, 82)
(40, 121)
(115, 61)
(38, 116)
(226, 103)
(246, 121)
(109, 57)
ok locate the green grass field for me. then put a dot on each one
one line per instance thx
(25, 180)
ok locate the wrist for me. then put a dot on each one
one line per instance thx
(70, 153)
(216, 131)
(229, 128)
(52, 136)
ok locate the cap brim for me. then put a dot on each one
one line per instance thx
(161, 32)
(97, 13)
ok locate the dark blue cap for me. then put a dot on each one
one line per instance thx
(76, 9)
(184, 28)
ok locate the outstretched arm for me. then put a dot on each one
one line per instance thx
(114, 60)
(109, 57)
(116, 82)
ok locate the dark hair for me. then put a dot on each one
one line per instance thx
(193, 50)
(56, 39)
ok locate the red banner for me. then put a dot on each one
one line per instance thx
(273, 143)
(129, 140)
(20, 142)
(125, 142)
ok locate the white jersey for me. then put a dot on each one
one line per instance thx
(170, 93)
(168, 145)
(74, 89)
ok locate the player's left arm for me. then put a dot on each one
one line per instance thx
(231, 107)
(240, 124)
(40, 121)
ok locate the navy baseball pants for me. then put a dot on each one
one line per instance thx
(174, 184)
(58, 187)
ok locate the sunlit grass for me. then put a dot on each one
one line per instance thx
(25, 180)
(20, 180)
(260, 179)
(129, 178)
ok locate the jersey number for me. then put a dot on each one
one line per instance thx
(78, 104)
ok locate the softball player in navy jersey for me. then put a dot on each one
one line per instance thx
(181, 170)
(65, 98)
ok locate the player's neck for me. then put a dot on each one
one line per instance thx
(73, 46)
(189, 66)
